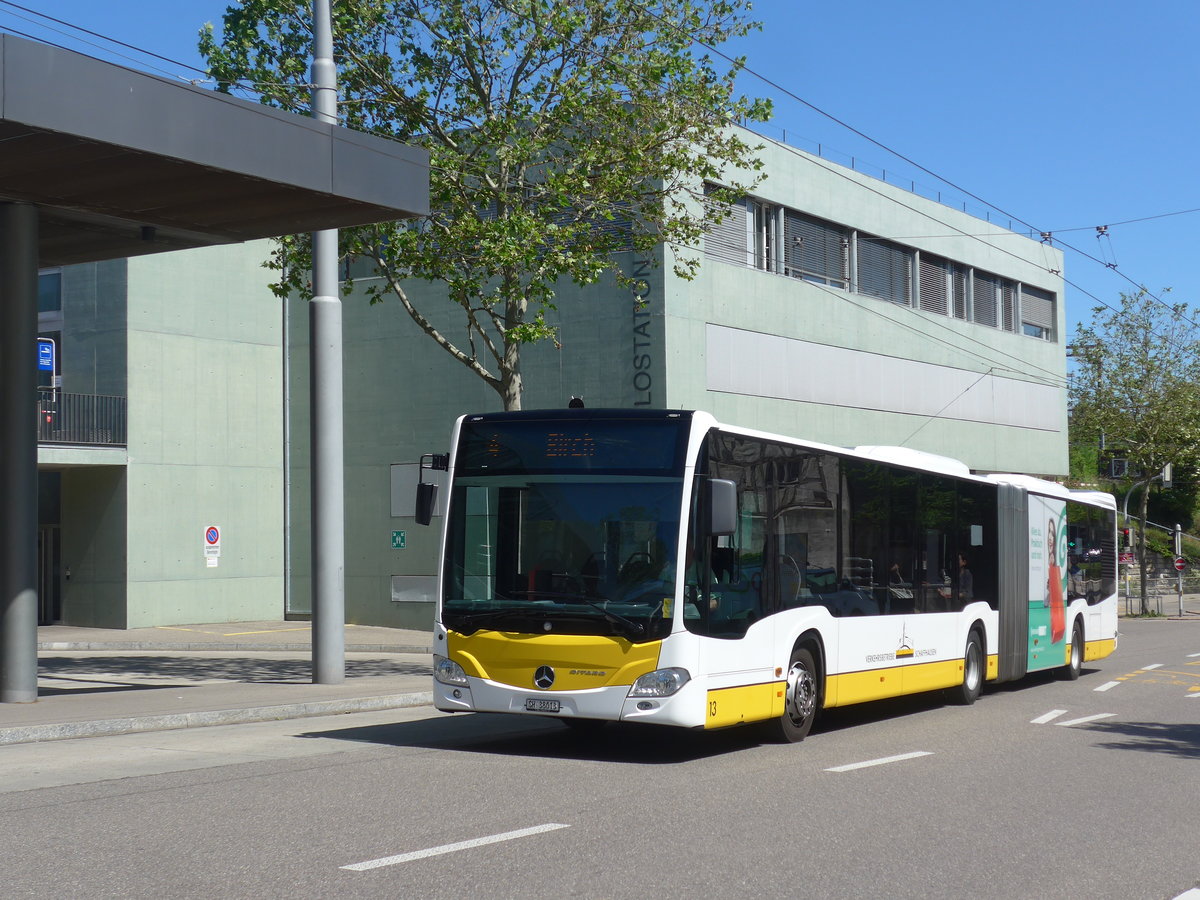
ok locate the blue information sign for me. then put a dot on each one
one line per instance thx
(45, 348)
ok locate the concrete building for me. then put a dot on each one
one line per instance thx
(830, 305)
(195, 385)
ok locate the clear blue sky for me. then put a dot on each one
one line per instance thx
(1067, 114)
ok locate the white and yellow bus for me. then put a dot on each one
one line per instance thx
(659, 567)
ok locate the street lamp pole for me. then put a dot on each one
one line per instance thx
(325, 385)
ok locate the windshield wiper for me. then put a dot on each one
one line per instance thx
(492, 616)
(635, 629)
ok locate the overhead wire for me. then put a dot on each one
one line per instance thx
(791, 94)
(868, 305)
(84, 41)
(815, 160)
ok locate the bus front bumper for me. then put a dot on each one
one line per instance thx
(684, 708)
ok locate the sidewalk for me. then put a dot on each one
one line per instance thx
(1167, 602)
(99, 681)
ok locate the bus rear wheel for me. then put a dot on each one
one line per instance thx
(1075, 662)
(800, 699)
(972, 683)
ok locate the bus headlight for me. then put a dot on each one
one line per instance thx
(447, 671)
(660, 683)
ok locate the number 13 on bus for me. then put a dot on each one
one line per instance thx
(660, 567)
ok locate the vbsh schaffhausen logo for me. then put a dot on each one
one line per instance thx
(544, 677)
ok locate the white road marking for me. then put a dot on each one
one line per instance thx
(879, 762)
(1153, 666)
(1048, 717)
(453, 848)
(1080, 721)
(1193, 894)
(1193, 655)
(1107, 686)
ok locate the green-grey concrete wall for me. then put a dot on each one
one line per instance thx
(205, 437)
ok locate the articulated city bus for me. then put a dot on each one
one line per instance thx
(660, 567)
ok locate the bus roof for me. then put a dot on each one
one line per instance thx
(898, 456)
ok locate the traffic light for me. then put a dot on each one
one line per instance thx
(1124, 538)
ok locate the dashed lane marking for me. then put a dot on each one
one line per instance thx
(1047, 717)
(453, 848)
(1084, 719)
(879, 762)
(1148, 668)
(1107, 686)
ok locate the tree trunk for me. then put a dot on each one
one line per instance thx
(510, 388)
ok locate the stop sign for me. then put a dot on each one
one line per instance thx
(1180, 564)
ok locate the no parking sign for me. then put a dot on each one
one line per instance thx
(212, 544)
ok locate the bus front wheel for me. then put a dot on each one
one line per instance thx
(800, 699)
(972, 683)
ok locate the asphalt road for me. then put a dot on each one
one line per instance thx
(1045, 788)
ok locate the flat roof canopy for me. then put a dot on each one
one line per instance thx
(121, 163)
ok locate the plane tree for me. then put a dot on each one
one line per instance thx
(565, 139)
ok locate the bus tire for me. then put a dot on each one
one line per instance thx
(973, 670)
(801, 697)
(1075, 662)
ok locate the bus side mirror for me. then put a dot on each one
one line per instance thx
(426, 499)
(722, 506)
(427, 490)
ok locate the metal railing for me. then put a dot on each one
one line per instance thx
(81, 419)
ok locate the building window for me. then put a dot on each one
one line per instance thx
(884, 270)
(50, 292)
(1008, 305)
(761, 235)
(1036, 331)
(935, 284)
(983, 298)
(815, 250)
(1037, 313)
(727, 240)
(774, 238)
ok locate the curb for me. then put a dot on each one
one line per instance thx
(201, 646)
(28, 734)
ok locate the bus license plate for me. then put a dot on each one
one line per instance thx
(539, 704)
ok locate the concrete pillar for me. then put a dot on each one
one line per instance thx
(18, 452)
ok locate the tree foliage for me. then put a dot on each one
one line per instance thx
(1136, 382)
(559, 135)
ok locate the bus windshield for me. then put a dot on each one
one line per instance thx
(572, 554)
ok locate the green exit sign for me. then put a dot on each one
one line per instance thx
(397, 540)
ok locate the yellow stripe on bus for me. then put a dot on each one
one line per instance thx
(1098, 649)
(878, 684)
(579, 661)
(747, 703)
